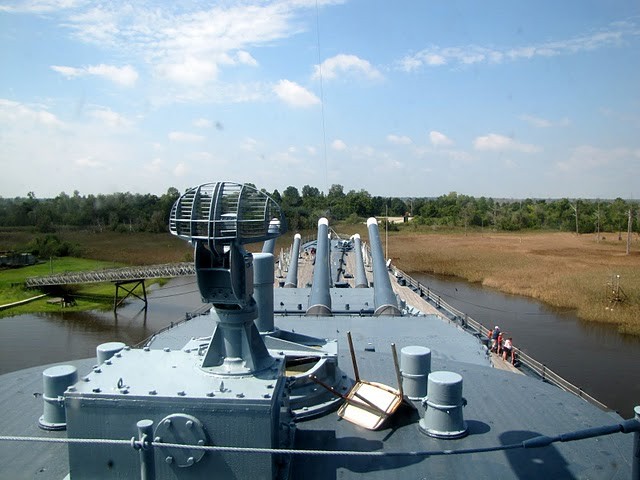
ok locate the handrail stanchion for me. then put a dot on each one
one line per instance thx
(145, 445)
(635, 465)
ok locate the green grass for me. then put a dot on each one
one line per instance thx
(88, 297)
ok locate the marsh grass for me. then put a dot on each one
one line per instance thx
(561, 269)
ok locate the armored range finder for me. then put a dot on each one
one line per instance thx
(218, 219)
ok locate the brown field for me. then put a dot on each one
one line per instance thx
(561, 269)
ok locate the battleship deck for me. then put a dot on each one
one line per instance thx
(502, 408)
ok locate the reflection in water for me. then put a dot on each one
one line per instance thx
(593, 356)
(30, 340)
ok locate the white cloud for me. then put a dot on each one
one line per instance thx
(399, 139)
(346, 64)
(245, 58)
(496, 143)
(588, 157)
(249, 144)
(14, 112)
(187, 46)
(181, 169)
(88, 162)
(439, 139)
(338, 145)
(108, 117)
(38, 6)
(154, 166)
(202, 123)
(295, 95)
(125, 76)
(543, 122)
(185, 137)
(190, 71)
(435, 56)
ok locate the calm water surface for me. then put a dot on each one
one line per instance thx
(30, 340)
(592, 356)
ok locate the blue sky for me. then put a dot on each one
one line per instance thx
(420, 98)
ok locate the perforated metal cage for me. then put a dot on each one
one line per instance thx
(223, 212)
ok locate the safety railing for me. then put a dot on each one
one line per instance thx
(114, 275)
(532, 365)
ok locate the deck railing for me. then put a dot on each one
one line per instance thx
(532, 365)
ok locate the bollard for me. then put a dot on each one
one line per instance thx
(415, 364)
(443, 416)
(105, 351)
(55, 381)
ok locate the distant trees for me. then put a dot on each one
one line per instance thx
(150, 213)
(118, 211)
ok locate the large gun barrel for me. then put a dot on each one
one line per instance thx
(269, 246)
(320, 297)
(292, 275)
(383, 297)
(361, 275)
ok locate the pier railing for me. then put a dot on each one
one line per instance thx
(532, 365)
(114, 275)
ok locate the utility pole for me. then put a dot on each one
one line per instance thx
(629, 223)
(386, 233)
(598, 224)
(575, 209)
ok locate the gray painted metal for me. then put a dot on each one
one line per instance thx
(320, 298)
(147, 460)
(360, 274)
(269, 246)
(292, 274)
(263, 277)
(443, 416)
(415, 365)
(223, 212)
(105, 351)
(384, 298)
(162, 386)
(55, 381)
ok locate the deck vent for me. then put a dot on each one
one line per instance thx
(105, 351)
(443, 416)
(55, 381)
(415, 365)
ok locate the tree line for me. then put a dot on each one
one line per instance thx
(150, 213)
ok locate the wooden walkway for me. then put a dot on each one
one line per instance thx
(21, 302)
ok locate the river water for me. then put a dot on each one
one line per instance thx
(594, 357)
(30, 340)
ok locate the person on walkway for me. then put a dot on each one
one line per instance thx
(508, 351)
(494, 338)
(499, 343)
